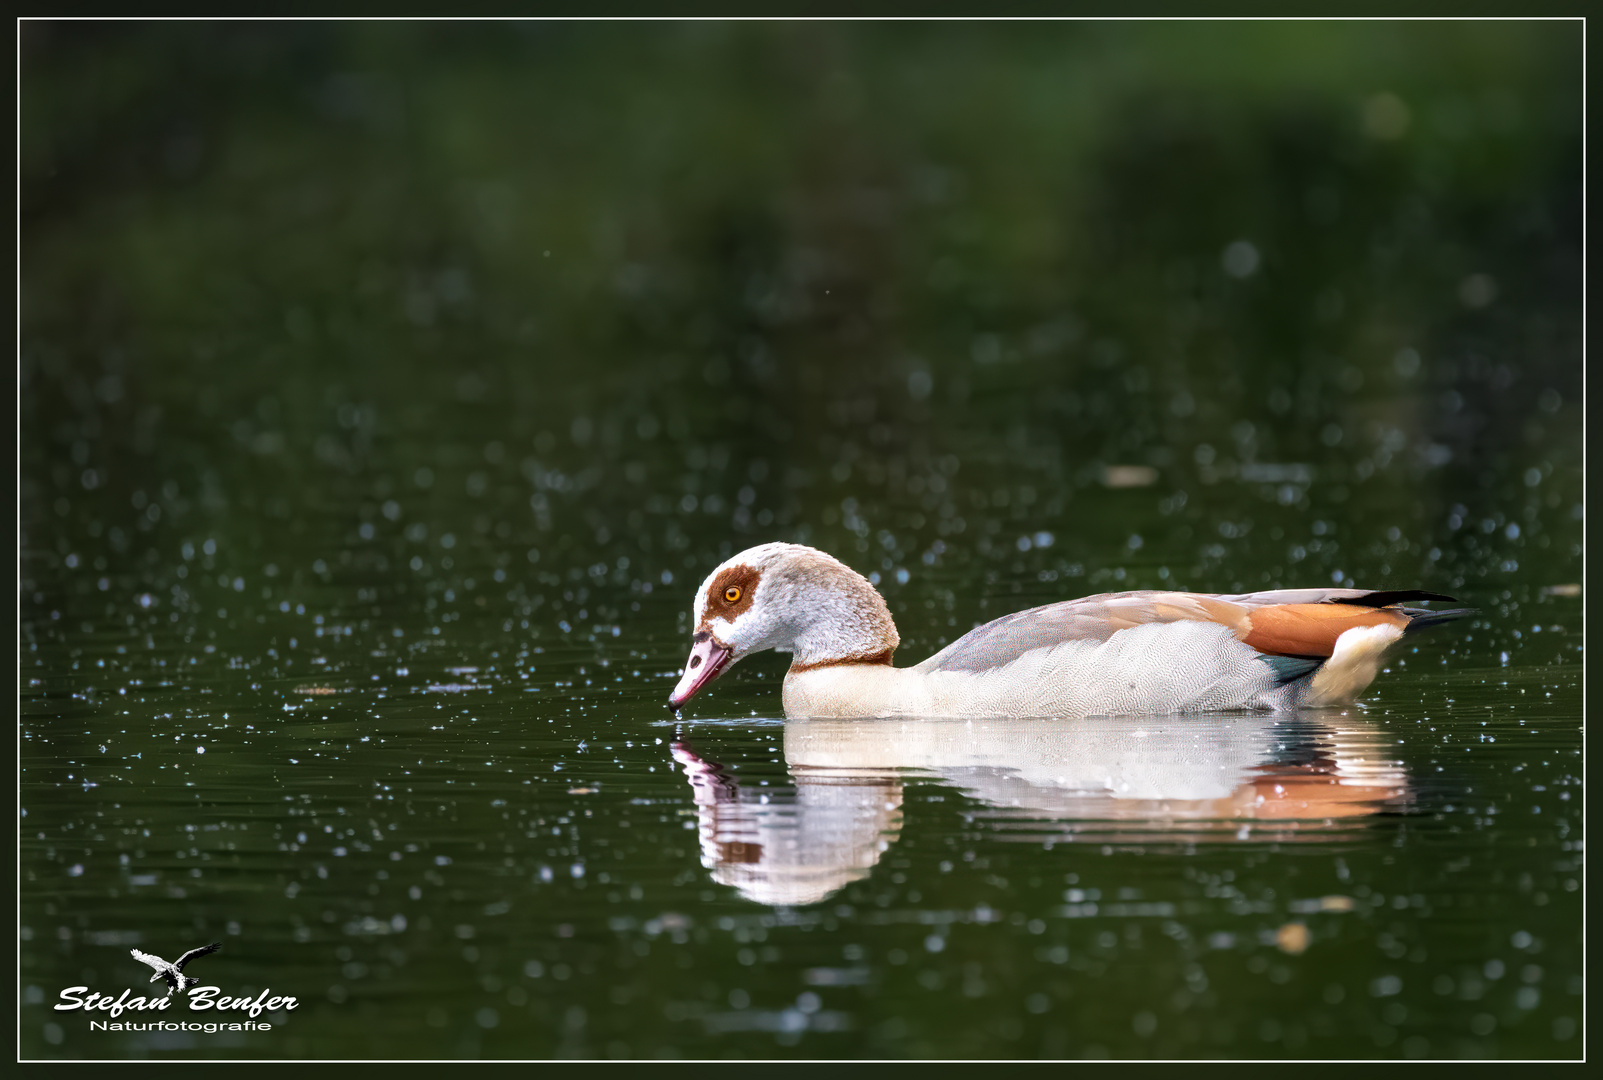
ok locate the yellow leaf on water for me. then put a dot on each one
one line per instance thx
(1127, 476)
(1293, 938)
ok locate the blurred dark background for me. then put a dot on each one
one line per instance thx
(1188, 295)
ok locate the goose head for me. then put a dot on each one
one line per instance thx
(787, 597)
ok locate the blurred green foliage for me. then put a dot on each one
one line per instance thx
(1042, 248)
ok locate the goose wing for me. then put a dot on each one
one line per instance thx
(195, 953)
(153, 961)
(1302, 623)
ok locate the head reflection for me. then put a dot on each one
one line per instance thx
(782, 847)
(1154, 779)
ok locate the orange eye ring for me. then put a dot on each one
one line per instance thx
(732, 594)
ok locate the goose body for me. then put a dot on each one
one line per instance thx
(1112, 654)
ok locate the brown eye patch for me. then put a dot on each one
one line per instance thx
(731, 592)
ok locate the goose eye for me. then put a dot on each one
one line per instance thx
(732, 594)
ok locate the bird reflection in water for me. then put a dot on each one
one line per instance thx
(782, 847)
(1121, 780)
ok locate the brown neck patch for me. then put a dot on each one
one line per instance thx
(742, 852)
(719, 606)
(881, 657)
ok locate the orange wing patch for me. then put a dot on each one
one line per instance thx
(1311, 629)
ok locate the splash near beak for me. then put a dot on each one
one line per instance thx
(707, 659)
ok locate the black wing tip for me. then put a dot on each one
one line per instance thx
(196, 954)
(1389, 597)
(1424, 618)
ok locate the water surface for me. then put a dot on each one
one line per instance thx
(387, 391)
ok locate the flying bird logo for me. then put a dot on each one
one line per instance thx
(174, 972)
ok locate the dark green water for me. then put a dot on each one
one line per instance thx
(387, 390)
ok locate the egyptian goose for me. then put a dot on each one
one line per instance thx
(1113, 654)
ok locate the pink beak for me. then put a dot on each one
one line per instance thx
(707, 659)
